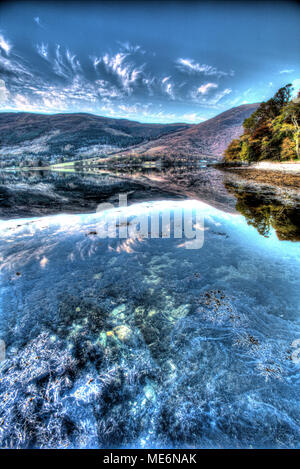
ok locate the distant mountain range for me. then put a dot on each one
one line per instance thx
(27, 138)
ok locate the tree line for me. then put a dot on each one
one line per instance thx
(272, 132)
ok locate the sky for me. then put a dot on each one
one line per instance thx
(146, 61)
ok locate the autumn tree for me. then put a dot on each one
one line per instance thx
(288, 149)
(271, 132)
(233, 150)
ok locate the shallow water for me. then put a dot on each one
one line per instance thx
(142, 342)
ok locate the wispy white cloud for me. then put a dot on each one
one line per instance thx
(250, 95)
(150, 82)
(208, 100)
(191, 118)
(4, 93)
(168, 87)
(169, 90)
(148, 113)
(73, 61)
(63, 62)
(42, 50)
(12, 64)
(59, 66)
(116, 81)
(204, 89)
(128, 109)
(107, 90)
(95, 61)
(126, 72)
(5, 45)
(130, 47)
(38, 21)
(190, 66)
(49, 98)
(221, 95)
(287, 70)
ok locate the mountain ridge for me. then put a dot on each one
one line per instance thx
(43, 139)
(210, 137)
(67, 137)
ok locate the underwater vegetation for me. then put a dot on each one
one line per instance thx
(143, 343)
(111, 389)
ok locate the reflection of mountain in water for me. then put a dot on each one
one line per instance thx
(38, 193)
(265, 213)
(43, 192)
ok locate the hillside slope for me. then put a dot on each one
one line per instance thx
(208, 138)
(53, 138)
(39, 139)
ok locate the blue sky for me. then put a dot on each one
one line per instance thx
(147, 61)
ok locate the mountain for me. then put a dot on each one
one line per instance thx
(209, 138)
(39, 139)
(26, 137)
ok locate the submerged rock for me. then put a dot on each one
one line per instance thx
(123, 332)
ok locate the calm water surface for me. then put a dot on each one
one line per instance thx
(142, 342)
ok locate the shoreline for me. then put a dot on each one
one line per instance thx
(269, 177)
(264, 172)
(290, 167)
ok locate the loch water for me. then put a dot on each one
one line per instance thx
(187, 341)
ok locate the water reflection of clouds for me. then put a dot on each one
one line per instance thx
(21, 256)
(87, 230)
(128, 245)
(43, 262)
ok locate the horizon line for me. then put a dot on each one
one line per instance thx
(119, 118)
